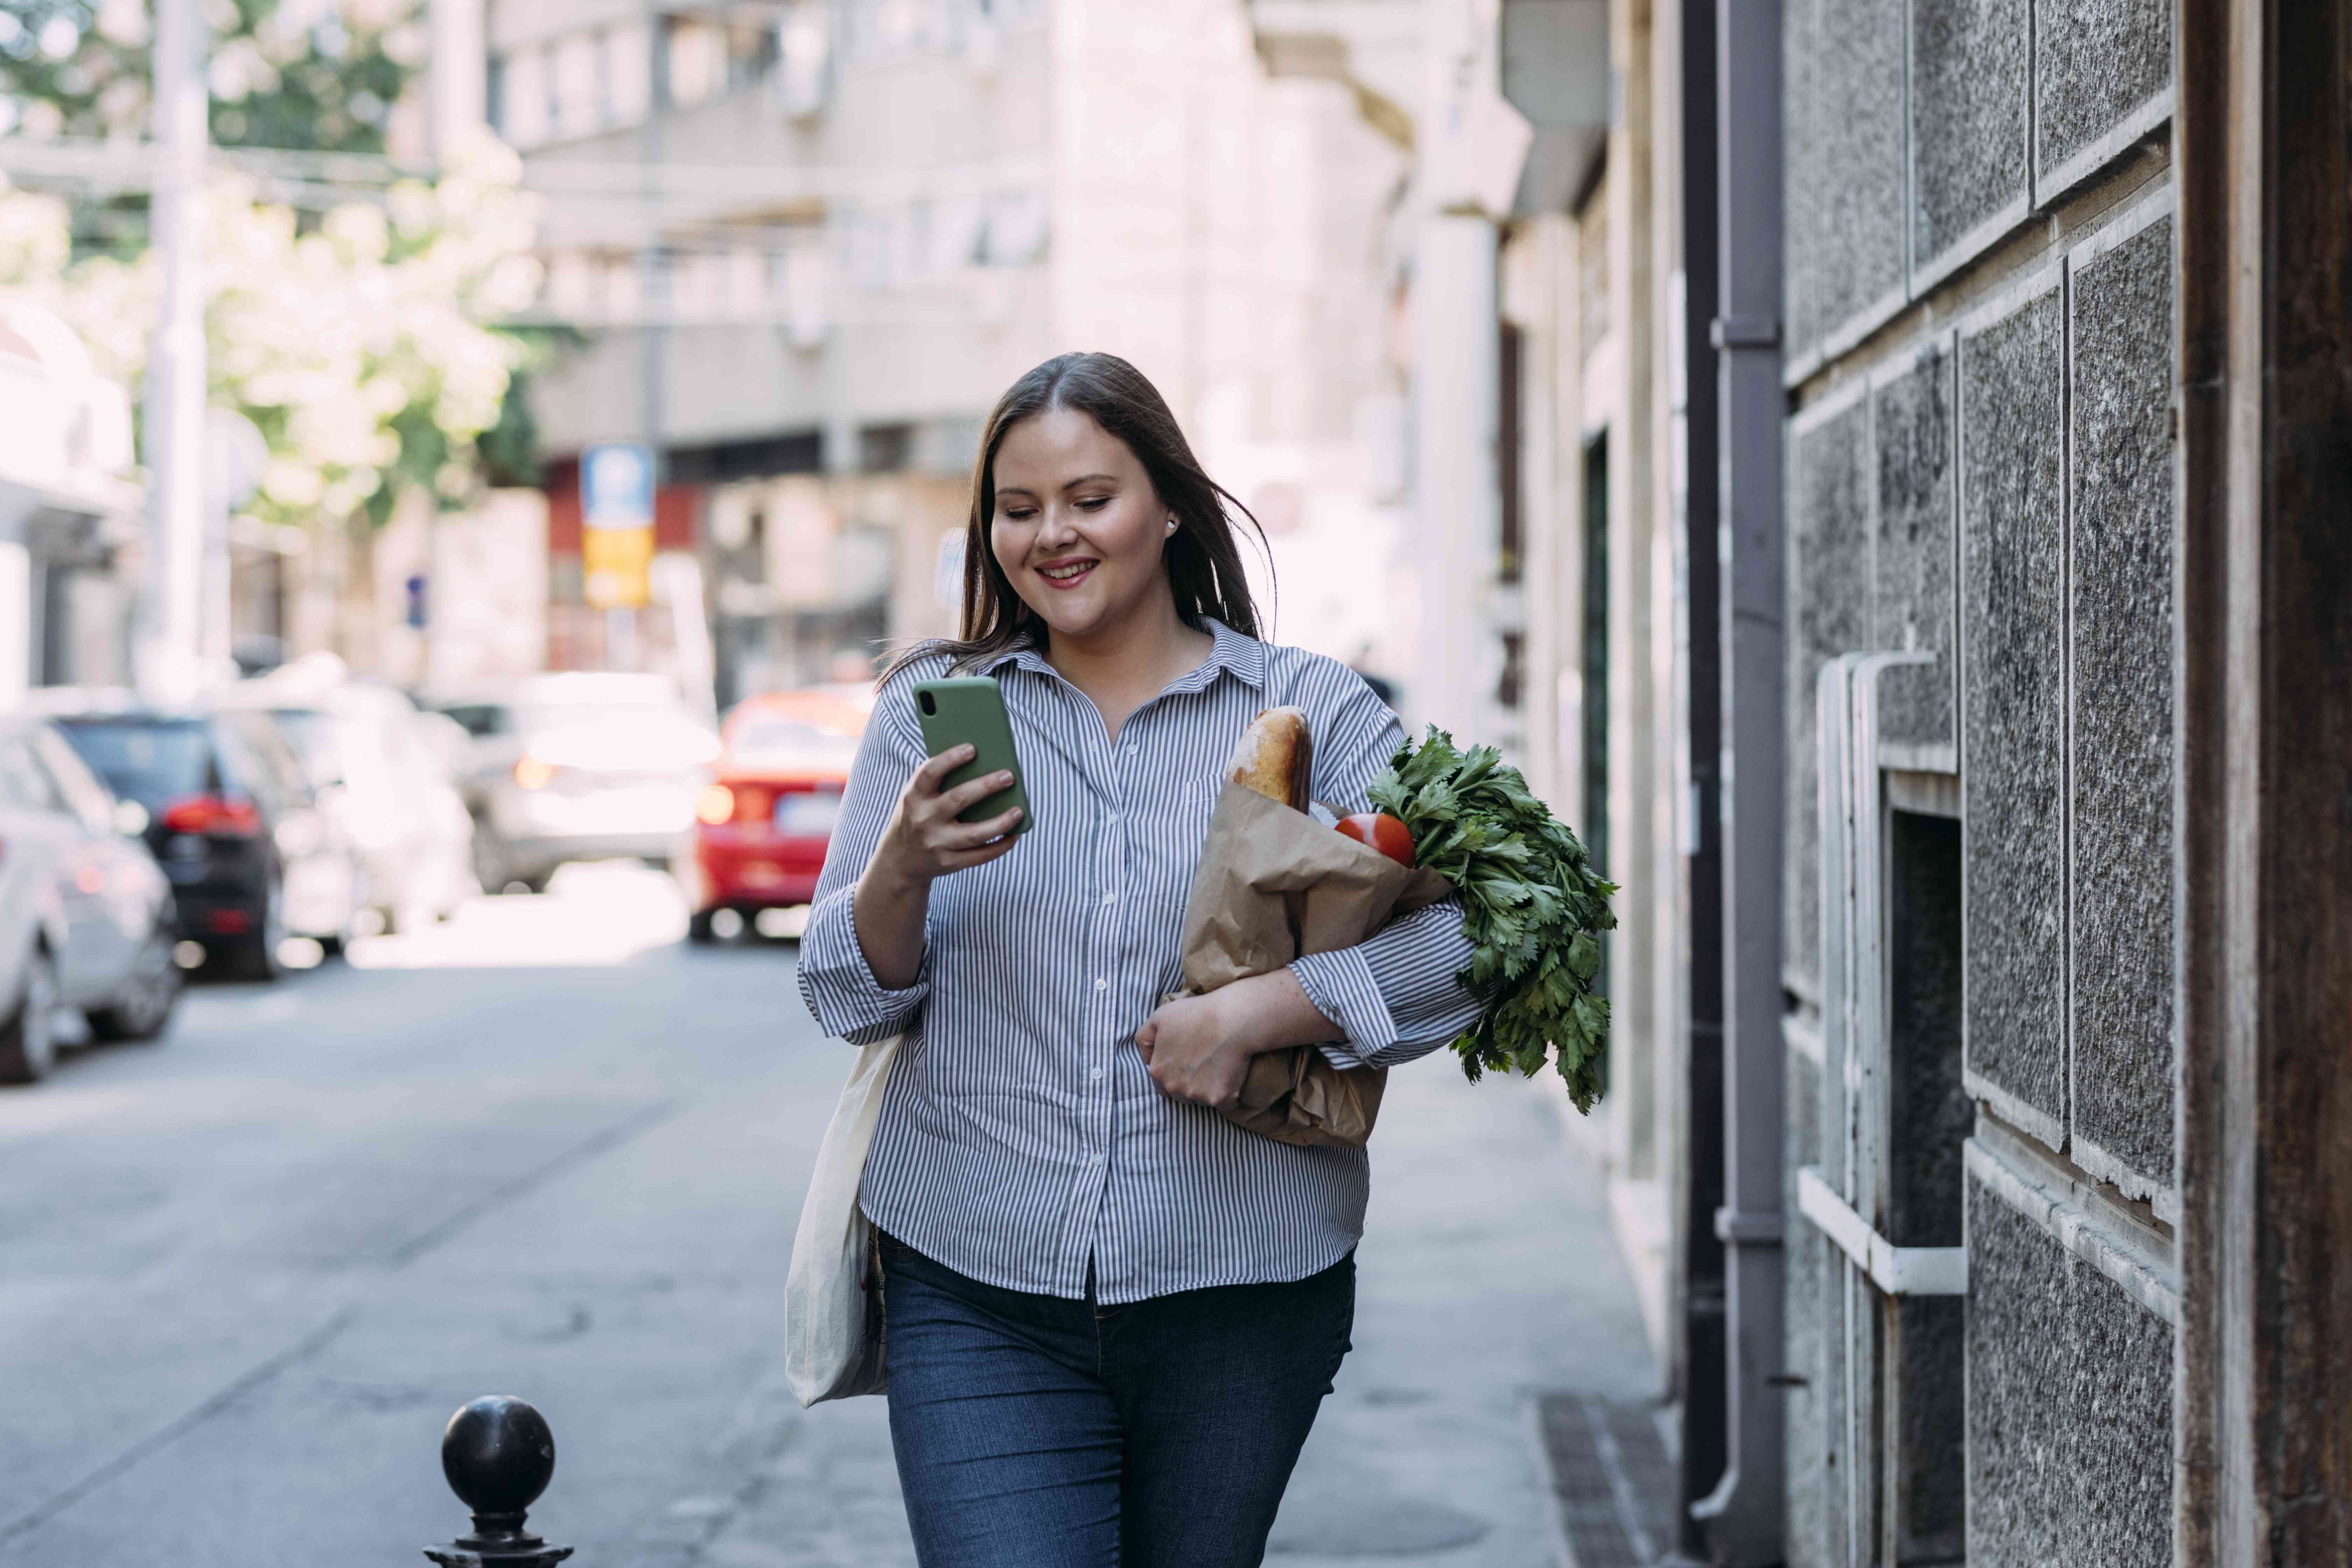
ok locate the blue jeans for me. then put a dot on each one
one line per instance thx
(1036, 1432)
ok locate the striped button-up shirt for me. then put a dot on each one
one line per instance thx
(1021, 1137)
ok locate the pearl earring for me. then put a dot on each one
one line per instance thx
(1171, 525)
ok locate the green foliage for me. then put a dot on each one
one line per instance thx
(1531, 905)
(320, 79)
(361, 340)
(508, 449)
(364, 347)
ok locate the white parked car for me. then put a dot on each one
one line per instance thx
(383, 774)
(86, 918)
(580, 766)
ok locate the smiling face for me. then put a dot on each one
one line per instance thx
(1079, 528)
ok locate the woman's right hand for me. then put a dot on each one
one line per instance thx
(925, 842)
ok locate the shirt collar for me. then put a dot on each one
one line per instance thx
(1230, 653)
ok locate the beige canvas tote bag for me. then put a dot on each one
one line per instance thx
(833, 1330)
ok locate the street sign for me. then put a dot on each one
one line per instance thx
(616, 483)
(616, 504)
(613, 565)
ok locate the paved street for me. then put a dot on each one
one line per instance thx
(549, 1150)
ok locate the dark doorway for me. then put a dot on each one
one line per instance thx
(1930, 1116)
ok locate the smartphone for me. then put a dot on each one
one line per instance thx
(969, 711)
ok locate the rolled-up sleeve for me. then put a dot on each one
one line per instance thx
(1396, 995)
(836, 981)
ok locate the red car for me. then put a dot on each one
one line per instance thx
(762, 826)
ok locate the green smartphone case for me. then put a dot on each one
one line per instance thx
(970, 710)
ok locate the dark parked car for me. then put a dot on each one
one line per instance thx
(233, 821)
(85, 916)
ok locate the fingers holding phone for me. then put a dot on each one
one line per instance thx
(927, 837)
(966, 805)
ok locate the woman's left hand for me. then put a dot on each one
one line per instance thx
(1198, 1047)
(1197, 1050)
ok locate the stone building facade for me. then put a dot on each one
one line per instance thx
(1978, 352)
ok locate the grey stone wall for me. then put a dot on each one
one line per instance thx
(1843, 130)
(1998, 492)
(1871, 564)
(1918, 134)
(2122, 704)
(1911, 574)
(2014, 498)
(2070, 1407)
(2012, 675)
(1969, 97)
(1830, 613)
(2120, 772)
(2096, 64)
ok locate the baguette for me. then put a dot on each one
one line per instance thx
(1275, 755)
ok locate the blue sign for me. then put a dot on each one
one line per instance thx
(616, 486)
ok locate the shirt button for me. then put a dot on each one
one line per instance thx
(1096, 1075)
(1101, 984)
(1110, 898)
(1132, 747)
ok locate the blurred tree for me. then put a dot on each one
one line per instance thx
(316, 75)
(309, 75)
(422, 278)
(364, 347)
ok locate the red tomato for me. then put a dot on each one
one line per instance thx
(1379, 831)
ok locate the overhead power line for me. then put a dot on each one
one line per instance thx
(303, 178)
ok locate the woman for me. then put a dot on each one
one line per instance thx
(1112, 1314)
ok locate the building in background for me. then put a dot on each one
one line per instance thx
(803, 251)
(68, 509)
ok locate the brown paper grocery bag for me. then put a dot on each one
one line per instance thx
(1274, 883)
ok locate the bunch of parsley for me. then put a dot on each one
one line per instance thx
(1532, 906)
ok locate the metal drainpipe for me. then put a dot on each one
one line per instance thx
(1744, 1512)
(1703, 1391)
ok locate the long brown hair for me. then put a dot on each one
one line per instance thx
(1203, 557)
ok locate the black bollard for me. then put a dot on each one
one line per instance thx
(498, 1454)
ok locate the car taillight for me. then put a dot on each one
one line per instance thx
(217, 815)
(752, 806)
(714, 805)
(532, 773)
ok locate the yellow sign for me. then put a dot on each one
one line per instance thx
(614, 566)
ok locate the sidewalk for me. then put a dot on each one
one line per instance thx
(1487, 1279)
